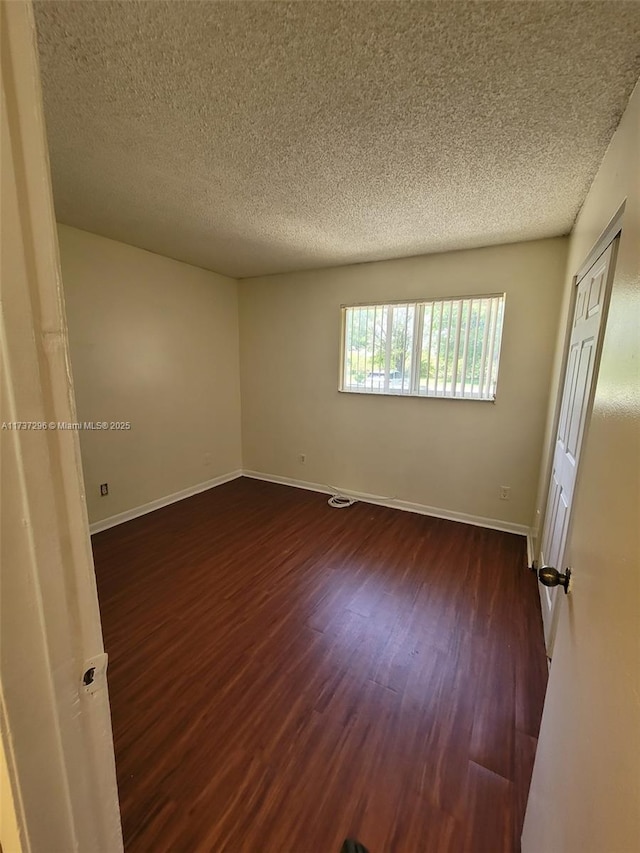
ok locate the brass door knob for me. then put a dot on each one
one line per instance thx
(548, 576)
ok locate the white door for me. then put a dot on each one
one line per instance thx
(576, 397)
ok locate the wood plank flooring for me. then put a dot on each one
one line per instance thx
(283, 675)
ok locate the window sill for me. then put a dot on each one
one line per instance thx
(364, 393)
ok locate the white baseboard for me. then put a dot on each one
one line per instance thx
(394, 503)
(120, 518)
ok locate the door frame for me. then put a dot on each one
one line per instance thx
(609, 235)
(57, 751)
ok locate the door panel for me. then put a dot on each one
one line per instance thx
(578, 405)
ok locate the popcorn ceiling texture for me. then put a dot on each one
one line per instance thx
(259, 137)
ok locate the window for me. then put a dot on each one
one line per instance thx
(435, 348)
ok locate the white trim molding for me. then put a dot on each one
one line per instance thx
(394, 503)
(56, 744)
(364, 497)
(531, 537)
(129, 514)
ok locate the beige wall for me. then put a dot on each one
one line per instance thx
(154, 342)
(585, 790)
(448, 454)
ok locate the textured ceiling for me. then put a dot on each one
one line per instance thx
(257, 137)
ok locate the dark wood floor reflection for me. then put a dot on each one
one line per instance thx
(284, 674)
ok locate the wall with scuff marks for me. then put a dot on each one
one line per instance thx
(154, 344)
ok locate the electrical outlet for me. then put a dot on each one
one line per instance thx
(104, 489)
(505, 493)
(302, 458)
(207, 459)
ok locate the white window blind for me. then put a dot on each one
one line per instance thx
(431, 348)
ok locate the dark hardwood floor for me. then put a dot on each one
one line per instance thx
(284, 674)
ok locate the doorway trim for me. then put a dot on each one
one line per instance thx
(57, 745)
